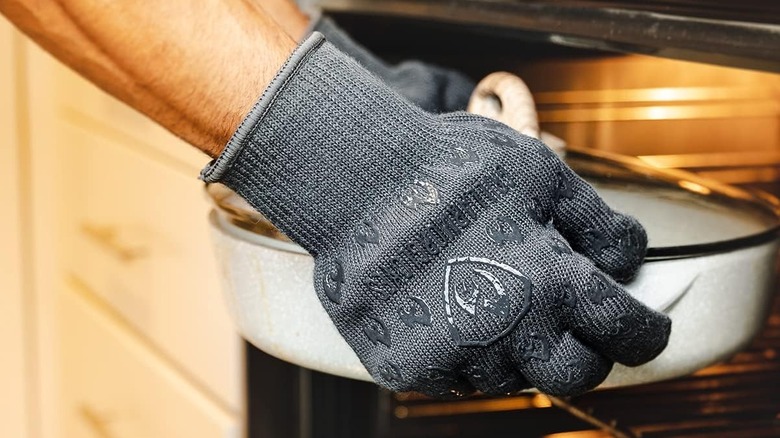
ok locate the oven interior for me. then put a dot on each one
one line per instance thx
(720, 122)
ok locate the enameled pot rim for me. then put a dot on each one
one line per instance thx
(758, 201)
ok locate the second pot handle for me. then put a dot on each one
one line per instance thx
(505, 97)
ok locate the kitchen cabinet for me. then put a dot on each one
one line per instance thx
(111, 315)
(141, 244)
(115, 386)
(14, 402)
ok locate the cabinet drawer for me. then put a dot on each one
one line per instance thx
(136, 233)
(81, 102)
(113, 386)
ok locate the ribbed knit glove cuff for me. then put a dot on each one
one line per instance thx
(316, 144)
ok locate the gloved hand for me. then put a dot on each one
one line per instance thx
(451, 252)
(432, 88)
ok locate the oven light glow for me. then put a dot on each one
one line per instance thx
(473, 406)
(695, 187)
(541, 401)
(666, 94)
(658, 113)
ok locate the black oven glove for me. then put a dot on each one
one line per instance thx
(451, 252)
(431, 87)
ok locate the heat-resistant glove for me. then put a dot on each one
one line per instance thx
(451, 252)
(432, 88)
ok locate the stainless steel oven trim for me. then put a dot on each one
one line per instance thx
(621, 28)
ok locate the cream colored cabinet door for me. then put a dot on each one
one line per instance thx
(135, 231)
(14, 395)
(115, 386)
(151, 351)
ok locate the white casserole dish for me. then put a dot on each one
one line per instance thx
(711, 268)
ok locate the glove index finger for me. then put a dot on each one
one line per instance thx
(615, 242)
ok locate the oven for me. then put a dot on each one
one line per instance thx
(681, 84)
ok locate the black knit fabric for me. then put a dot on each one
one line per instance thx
(451, 252)
(432, 88)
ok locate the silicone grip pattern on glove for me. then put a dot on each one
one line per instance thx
(441, 243)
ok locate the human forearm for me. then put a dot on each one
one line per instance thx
(288, 15)
(194, 67)
(54, 31)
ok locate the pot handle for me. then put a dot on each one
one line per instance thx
(505, 97)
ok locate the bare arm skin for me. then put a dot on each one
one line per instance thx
(287, 14)
(194, 67)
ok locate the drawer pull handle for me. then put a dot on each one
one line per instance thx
(111, 426)
(108, 237)
(96, 421)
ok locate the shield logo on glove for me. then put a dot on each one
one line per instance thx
(484, 299)
(418, 194)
